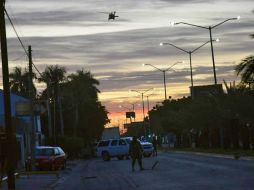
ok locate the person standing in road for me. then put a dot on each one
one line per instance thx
(135, 152)
(154, 142)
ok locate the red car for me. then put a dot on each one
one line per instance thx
(50, 158)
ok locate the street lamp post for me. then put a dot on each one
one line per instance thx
(164, 74)
(143, 104)
(148, 108)
(190, 57)
(148, 105)
(210, 34)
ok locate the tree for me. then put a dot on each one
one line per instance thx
(52, 76)
(83, 114)
(246, 68)
(80, 97)
(19, 82)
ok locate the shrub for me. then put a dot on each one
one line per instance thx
(71, 145)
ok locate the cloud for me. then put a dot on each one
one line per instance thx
(75, 35)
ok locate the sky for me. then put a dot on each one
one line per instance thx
(75, 34)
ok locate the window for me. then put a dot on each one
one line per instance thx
(57, 151)
(103, 143)
(60, 150)
(114, 142)
(128, 140)
(44, 152)
(122, 142)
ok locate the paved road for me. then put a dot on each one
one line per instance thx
(175, 171)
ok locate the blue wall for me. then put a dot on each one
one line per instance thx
(14, 98)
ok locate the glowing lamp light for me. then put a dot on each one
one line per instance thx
(172, 23)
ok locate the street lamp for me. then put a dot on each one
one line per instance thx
(210, 33)
(129, 109)
(147, 98)
(143, 104)
(190, 53)
(164, 71)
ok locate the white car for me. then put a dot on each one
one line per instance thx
(146, 146)
(112, 148)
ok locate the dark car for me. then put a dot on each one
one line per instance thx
(50, 158)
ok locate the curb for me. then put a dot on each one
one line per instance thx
(5, 178)
(247, 158)
(32, 173)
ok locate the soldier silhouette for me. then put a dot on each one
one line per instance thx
(135, 152)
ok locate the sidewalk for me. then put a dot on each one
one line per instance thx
(33, 182)
(39, 181)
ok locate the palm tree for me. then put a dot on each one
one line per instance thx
(80, 90)
(19, 82)
(246, 68)
(84, 82)
(52, 76)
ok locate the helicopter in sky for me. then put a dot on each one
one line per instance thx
(111, 15)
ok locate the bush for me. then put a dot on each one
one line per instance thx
(71, 145)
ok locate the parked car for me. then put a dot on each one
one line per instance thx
(146, 146)
(112, 148)
(50, 158)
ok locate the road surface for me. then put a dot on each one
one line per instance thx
(175, 171)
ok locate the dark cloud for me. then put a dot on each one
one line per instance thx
(63, 17)
(118, 55)
(130, 80)
(123, 49)
(195, 1)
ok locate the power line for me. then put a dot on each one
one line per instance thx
(18, 58)
(20, 40)
(16, 32)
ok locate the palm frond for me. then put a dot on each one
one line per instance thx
(246, 68)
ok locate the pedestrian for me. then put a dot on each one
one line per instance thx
(135, 152)
(155, 143)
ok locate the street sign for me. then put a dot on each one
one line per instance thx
(23, 108)
(130, 114)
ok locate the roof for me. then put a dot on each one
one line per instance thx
(42, 147)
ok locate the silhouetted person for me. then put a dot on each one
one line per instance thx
(155, 143)
(135, 152)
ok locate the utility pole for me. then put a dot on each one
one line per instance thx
(31, 94)
(54, 119)
(10, 157)
(59, 101)
(49, 111)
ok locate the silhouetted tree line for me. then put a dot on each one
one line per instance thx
(73, 104)
(216, 121)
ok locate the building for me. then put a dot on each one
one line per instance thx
(22, 126)
(206, 90)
